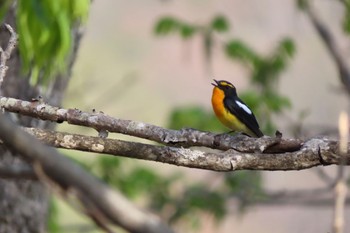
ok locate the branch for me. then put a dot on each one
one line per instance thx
(100, 202)
(333, 48)
(314, 152)
(22, 171)
(179, 138)
(5, 54)
(241, 152)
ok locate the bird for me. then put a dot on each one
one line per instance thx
(232, 111)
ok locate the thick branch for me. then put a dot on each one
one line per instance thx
(184, 138)
(22, 171)
(314, 152)
(100, 201)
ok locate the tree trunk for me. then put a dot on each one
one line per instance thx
(24, 203)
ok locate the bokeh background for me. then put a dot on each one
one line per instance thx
(125, 70)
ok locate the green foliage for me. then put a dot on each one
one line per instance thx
(236, 49)
(194, 117)
(45, 40)
(133, 181)
(52, 224)
(220, 24)
(187, 31)
(346, 20)
(198, 198)
(265, 72)
(168, 25)
(136, 182)
(246, 186)
(275, 102)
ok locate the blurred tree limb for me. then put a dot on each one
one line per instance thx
(6, 53)
(102, 204)
(329, 40)
(240, 152)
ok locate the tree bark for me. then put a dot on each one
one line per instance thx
(24, 203)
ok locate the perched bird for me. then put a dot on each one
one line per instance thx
(232, 111)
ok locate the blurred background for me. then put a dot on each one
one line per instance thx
(153, 61)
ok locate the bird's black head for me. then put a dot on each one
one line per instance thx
(225, 86)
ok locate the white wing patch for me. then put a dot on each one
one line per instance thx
(245, 108)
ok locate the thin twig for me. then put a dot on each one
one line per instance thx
(5, 54)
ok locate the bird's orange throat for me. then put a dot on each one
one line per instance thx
(217, 100)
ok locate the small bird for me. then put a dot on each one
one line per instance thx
(232, 111)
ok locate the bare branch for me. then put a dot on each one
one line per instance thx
(6, 53)
(333, 48)
(17, 171)
(314, 152)
(111, 204)
(241, 152)
(183, 138)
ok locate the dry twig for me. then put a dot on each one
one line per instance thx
(5, 54)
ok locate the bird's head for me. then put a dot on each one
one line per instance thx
(227, 87)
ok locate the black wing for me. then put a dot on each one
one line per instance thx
(246, 116)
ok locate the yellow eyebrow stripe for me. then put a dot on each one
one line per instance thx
(226, 84)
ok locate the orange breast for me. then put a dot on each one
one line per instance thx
(217, 100)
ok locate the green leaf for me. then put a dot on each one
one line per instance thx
(79, 9)
(194, 117)
(140, 180)
(247, 186)
(346, 24)
(346, 19)
(199, 198)
(53, 224)
(220, 24)
(187, 30)
(236, 49)
(287, 47)
(44, 29)
(276, 103)
(108, 167)
(166, 25)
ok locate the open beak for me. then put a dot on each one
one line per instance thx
(215, 84)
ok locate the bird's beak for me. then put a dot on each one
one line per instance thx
(215, 84)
